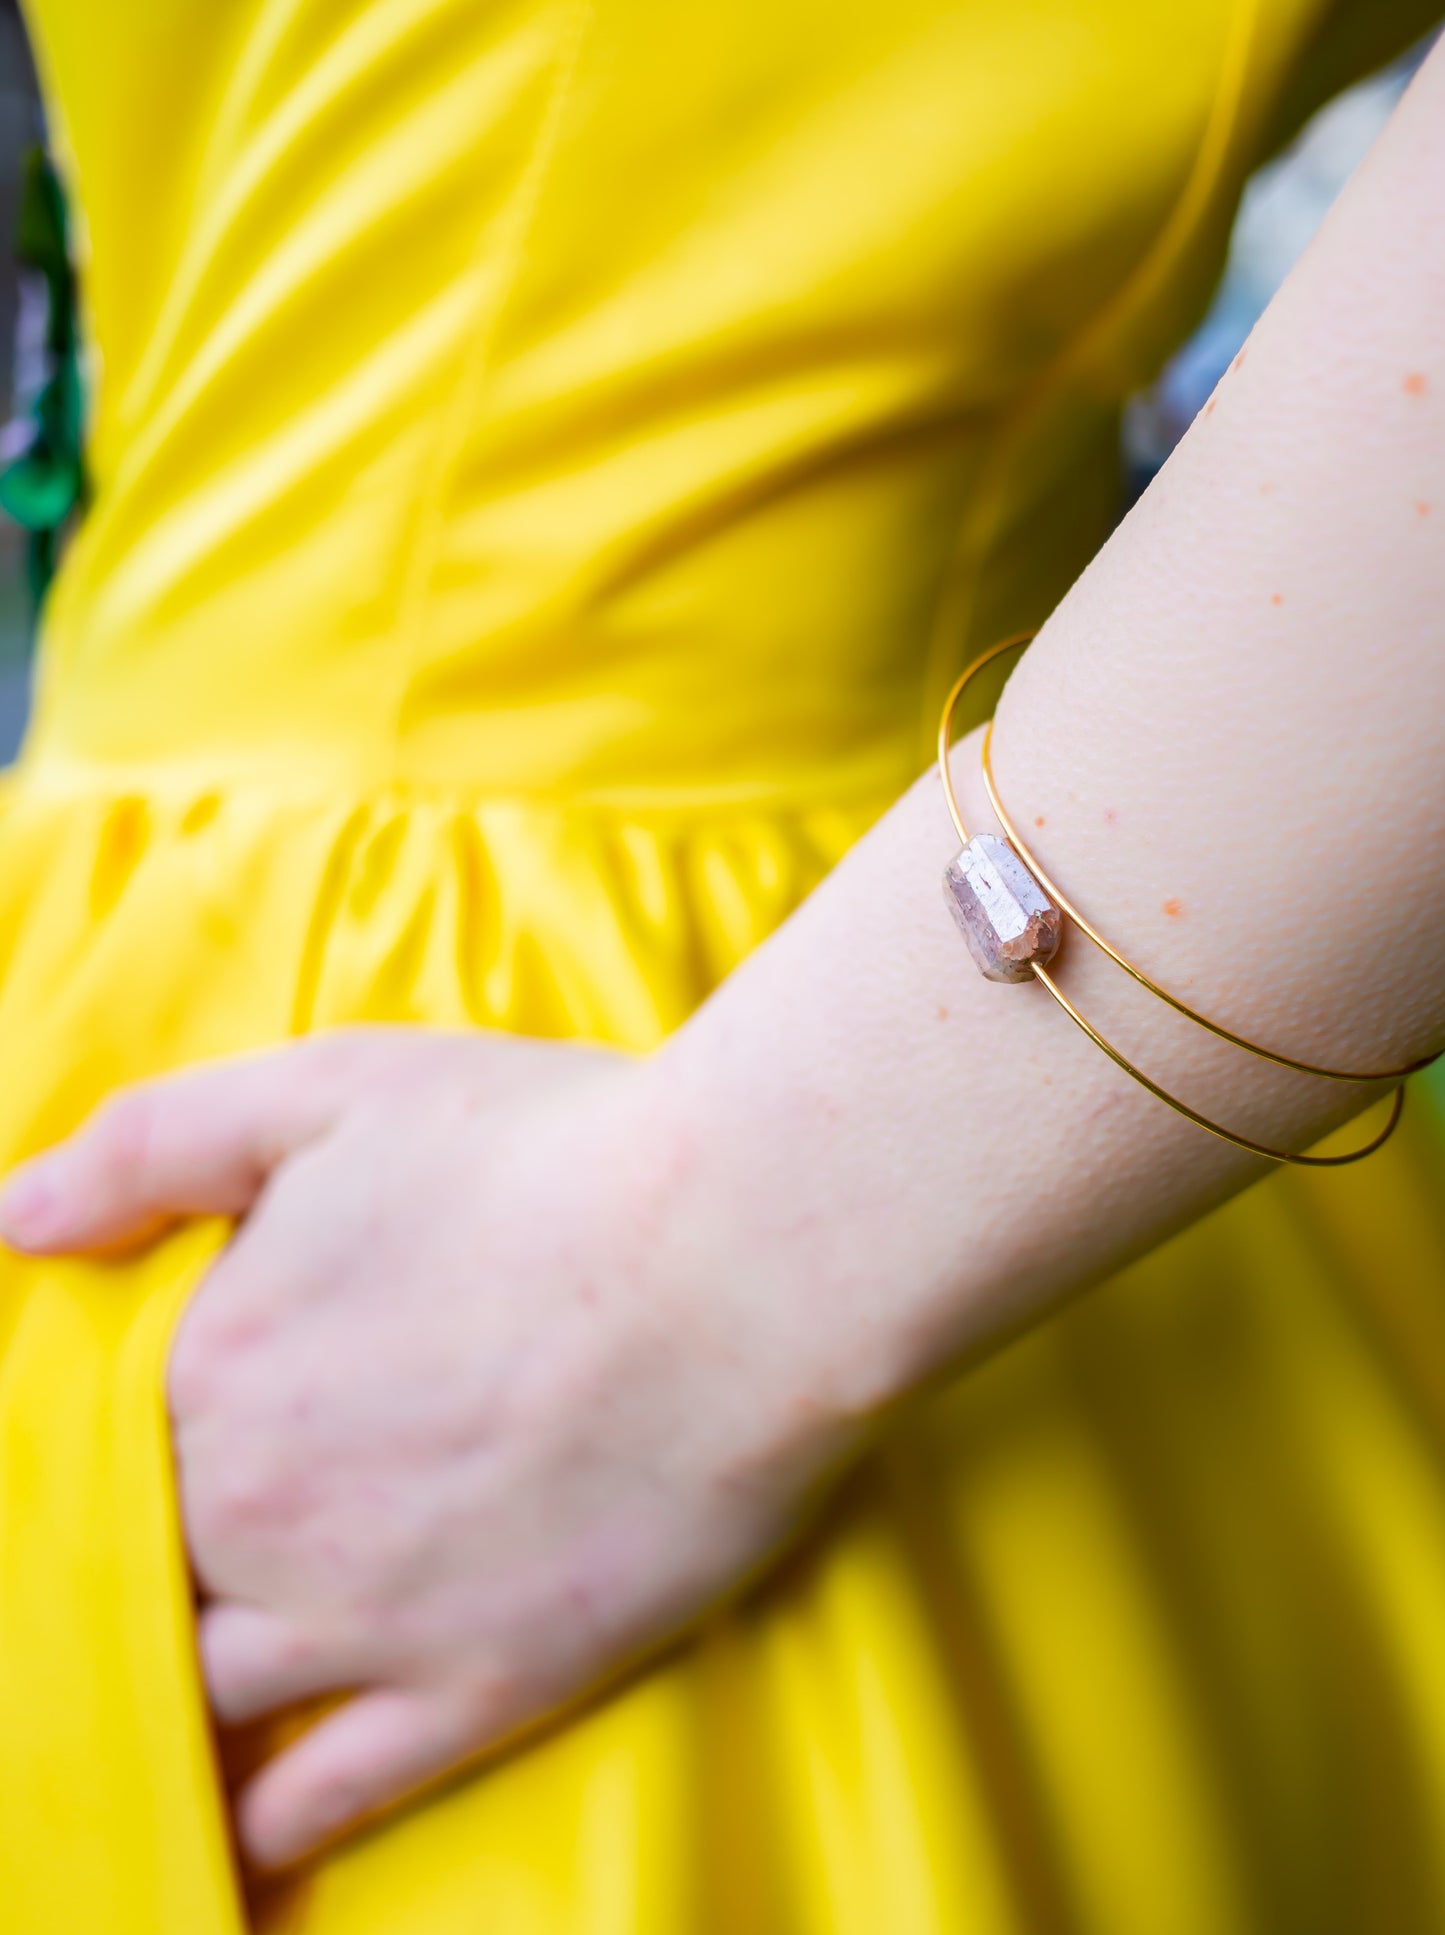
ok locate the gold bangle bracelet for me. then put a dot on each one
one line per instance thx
(980, 881)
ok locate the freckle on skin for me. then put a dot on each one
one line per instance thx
(1174, 908)
(1422, 509)
(941, 1012)
(1276, 597)
(1238, 362)
(1209, 406)
(1416, 383)
(1038, 819)
(1109, 816)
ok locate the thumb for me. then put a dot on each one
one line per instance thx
(201, 1143)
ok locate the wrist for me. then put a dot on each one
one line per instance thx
(747, 1185)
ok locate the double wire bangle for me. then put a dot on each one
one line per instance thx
(1012, 916)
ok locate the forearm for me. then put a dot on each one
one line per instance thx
(1225, 745)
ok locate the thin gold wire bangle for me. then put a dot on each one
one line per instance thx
(1085, 926)
(1203, 1121)
(1066, 906)
(945, 727)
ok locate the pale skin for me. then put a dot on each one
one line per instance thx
(524, 1354)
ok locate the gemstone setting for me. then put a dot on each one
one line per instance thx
(1003, 913)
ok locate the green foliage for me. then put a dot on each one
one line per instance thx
(44, 486)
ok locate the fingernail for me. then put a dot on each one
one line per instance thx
(29, 1208)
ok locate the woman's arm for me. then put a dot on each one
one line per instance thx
(523, 1355)
(1228, 745)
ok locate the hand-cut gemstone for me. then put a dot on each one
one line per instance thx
(1005, 916)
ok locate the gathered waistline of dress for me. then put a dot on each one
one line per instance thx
(44, 773)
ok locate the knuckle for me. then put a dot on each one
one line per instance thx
(239, 1662)
(246, 1498)
(221, 1648)
(325, 1066)
(125, 1131)
(193, 1371)
(224, 1662)
(294, 1651)
(205, 1348)
(225, 1329)
(481, 1704)
(317, 1058)
(336, 1794)
(187, 1383)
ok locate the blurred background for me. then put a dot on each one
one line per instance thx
(1280, 212)
(20, 128)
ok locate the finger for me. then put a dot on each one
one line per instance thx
(372, 1753)
(256, 1662)
(200, 1143)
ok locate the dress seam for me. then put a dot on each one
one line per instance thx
(455, 412)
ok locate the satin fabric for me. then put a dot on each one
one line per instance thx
(549, 458)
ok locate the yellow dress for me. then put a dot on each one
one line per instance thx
(549, 457)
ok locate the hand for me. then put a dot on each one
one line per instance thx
(462, 1424)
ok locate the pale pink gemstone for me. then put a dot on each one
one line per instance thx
(1003, 913)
